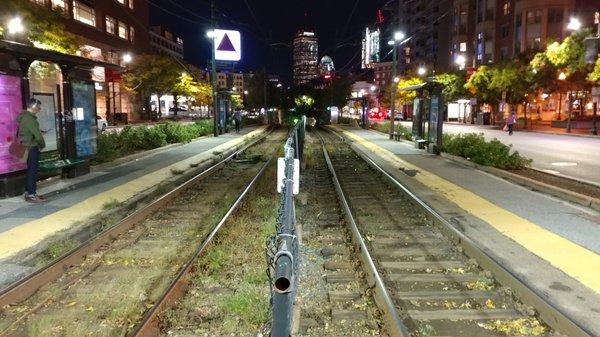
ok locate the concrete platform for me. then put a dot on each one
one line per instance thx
(72, 202)
(548, 243)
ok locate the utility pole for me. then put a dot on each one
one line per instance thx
(213, 64)
(393, 83)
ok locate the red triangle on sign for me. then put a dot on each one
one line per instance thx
(226, 44)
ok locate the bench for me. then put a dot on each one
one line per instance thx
(55, 165)
(421, 143)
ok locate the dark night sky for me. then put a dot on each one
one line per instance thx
(267, 35)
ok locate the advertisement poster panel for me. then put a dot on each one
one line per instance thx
(47, 120)
(84, 115)
(10, 107)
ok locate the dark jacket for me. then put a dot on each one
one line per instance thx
(29, 130)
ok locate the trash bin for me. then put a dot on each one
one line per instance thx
(486, 118)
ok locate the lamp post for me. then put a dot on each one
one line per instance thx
(211, 34)
(398, 37)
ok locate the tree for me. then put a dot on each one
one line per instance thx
(594, 75)
(152, 74)
(237, 102)
(406, 97)
(480, 85)
(341, 90)
(514, 80)
(454, 86)
(43, 26)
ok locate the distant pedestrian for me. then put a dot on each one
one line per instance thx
(510, 122)
(237, 117)
(31, 137)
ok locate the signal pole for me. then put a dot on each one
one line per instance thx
(213, 64)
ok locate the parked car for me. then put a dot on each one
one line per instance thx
(101, 123)
(397, 117)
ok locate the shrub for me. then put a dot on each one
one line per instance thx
(108, 148)
(400, 129)
(112, 145)
(475, 148)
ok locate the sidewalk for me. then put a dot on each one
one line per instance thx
(573, 157)
(73, 202)
(549, 244)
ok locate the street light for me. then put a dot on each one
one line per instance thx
(461, 61)
(373, 88)
(127, 58)
(562, 76)
(396, 79)
(245, 92)
(422, 71)
(574, 24)
(15, 26)
(398, 37)
(234, 89)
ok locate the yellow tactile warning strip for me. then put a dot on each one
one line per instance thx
(574, 260)
(34, 232)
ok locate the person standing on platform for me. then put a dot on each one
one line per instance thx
(31, 137)
(510, 122)
(238, 120)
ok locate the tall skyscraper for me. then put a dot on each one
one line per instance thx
(306, 57)
(425, 24)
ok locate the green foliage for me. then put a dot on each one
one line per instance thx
(405, 97)
(113, 145)
(43, 26)
(480, 85)
(594, 76)
(568, 55)
(474, 147)
(454, 86)
(237, 102)
(512, 79)
(400, 129)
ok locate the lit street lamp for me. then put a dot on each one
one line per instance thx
(422, 71)
(574, 24)
(373, 88)
(461, 61)
(127, 58)
(15, 26)
(395, 43)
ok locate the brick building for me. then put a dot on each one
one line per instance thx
(111, 31)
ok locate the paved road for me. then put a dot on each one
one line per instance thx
(577, 157)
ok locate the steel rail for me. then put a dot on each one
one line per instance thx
(394, 324)
(551, 315)
(148, 326)
(26, 287)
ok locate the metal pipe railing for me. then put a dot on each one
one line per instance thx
(283, 260)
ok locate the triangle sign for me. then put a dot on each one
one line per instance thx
(226, 44)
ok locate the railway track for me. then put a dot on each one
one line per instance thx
(117, 282)
(420, 276)
(334, 297)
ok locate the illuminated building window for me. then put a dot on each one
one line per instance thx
(131, 34)
(111, 24)
(506, 8)
(122, 30)
(463, 47)
(84, 14)
(59, 4)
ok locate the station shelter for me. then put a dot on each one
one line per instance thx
(68, 120)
